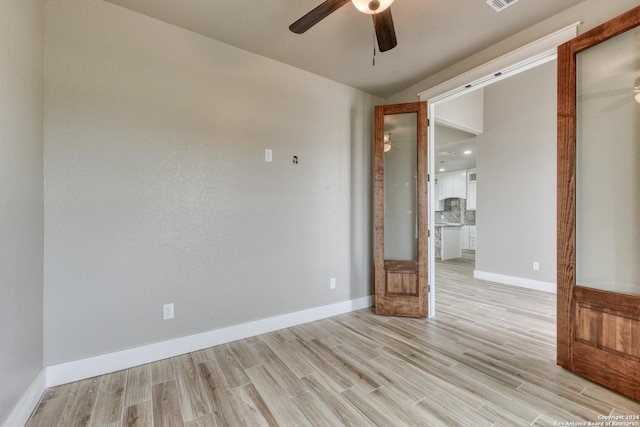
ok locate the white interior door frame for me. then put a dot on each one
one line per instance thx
(522, 59)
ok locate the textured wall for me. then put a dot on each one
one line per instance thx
(21, 215)
(516, 165)
(157, 190)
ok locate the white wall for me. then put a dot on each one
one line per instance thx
(463, 112)
(157, 190)
(21, 216)
(516, 164)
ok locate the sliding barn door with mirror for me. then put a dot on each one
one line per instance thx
(401, 216)
(599, 204)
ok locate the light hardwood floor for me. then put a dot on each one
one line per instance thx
(487, 359)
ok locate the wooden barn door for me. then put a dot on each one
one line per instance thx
(401, 215)
(599, 204)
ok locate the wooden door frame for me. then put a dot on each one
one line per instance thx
(401, 305)
(574, 353)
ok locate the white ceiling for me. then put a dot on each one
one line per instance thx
(451, 145)
(432, 34)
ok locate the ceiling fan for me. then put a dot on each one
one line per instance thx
(622, 96)
(382, 20)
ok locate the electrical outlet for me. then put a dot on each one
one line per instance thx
(536, 265)
(332, 283)
(268, 155)
(167, 311)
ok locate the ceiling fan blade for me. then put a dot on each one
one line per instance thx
(385, 32)
(316, 15)
(618, 104)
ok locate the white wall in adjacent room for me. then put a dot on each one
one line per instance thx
(516, 164)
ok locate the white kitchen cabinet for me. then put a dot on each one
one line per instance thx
(465, 237)
(471, 196)
(453, 185)
(439, 203)
(451, 243)
(469, 237)
(472, 186)
(472, 237)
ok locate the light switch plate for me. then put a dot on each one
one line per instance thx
(167, 311)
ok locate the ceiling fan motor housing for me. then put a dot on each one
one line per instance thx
(382, 20)
(372, 6)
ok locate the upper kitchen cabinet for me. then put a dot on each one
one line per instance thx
(453, 185)
(439, 203)
(472, 184)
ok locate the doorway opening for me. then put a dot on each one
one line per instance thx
(455, 183)
(493, 163)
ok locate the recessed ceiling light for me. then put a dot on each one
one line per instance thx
(441, 169)
(467, 152)
(446, 153)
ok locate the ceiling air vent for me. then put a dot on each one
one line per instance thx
(500, 5)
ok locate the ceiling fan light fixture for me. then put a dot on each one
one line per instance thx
(372, 6)
(387, 142)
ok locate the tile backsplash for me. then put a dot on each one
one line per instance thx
(455, 212)
(470, 217)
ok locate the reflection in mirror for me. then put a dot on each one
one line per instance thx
(400, 188)
(608, 166)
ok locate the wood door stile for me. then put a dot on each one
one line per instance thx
(566, 241)
(598, 331)
(401, 287)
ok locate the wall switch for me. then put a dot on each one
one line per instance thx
(268, 155)
(536, 265)
(332, 283)
(167, 311)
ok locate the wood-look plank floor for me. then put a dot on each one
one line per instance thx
(486, 359)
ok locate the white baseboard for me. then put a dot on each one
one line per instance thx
(22, 411)
(103, 364)
(516, 281)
